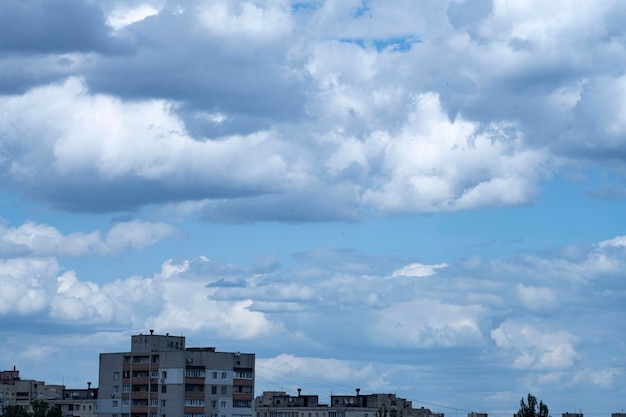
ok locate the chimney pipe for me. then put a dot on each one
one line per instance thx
(88, 385)
(151, 332)
(299, 390)
(357, 391)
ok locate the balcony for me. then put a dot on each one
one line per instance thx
(194, 410)
(139, 395)
(139, 409)
(193, 380)
(243, 382)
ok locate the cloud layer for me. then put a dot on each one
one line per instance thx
(271, 103)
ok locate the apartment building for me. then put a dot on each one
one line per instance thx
(78, 402)
(72, 402)
(17, 391)
(280, 404)
(161, 377)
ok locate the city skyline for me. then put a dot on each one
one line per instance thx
(424, 197)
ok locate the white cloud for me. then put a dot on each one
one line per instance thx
(137, 234)
(23, 283)
(426, 323)
(418, 270)
(606, 378)
(435, 164)
(251, 20)
(537, 298)
(618, 241)
(535, 349)
(37, 240)
(373, 376)
(123, 16)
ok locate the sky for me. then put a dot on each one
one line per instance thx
(423, 197)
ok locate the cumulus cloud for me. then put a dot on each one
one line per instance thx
(427, 323)
(396, 133)
(279, 371)
(536, 349)
(40, 240)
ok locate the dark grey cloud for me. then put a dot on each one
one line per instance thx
(251, 82)
(19, 73)
(125, 194)
(46, 26)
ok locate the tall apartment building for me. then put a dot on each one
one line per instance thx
(160, 377)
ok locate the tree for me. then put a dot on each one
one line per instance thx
(40, 408)
(14, 411)
(529, 408)
(54, 411)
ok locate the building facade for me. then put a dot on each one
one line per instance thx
(160, 377)
(15, 391)
(280, 404)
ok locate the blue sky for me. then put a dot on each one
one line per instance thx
(418, 197)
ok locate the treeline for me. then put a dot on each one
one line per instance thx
(39, 409)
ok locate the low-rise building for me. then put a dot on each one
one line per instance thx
(15, 391)
(281, 404)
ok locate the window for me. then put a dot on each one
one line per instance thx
(162, 403)
(223, 404)
(163, 374)
(114, 403)
(126, 388)
(155, 359)
(242, 403)
(244, 374)
(224, 390)
(125, 401)
(126, 374)
(195, 372)
(224, 375)
(154, 374)
(213, 404)
(213, 389)
(214, 375)
(154, 402)
(194, 402)
(163, 389)
(116, 376)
